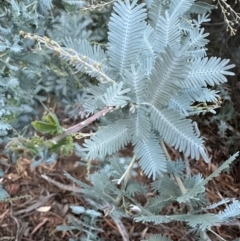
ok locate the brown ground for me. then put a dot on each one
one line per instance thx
(22, 220)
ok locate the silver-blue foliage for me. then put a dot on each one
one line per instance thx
(156, 59)
(158, 74)
(151, 72)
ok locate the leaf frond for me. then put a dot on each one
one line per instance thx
(114, 95)
(168, 72)
(208, 71)
(126, 29)
(152, 159)
(108, 140)
(178, 132)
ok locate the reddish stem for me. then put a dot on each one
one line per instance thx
(74, 129)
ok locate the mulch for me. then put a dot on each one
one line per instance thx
(42, 205)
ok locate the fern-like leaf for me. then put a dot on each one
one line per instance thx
(198, 38)
(215, 205)
(90, 191)
(114, 95)
(176, 167)
(148, 40)
(178, 132)
(86, 58)
(156, 219)
(203, 18)
(140, 126)
(136, 81)
(157, 10)
(134, 188)
(194, 187)
(221, 168)
(198, 53)
(201, 8)
(157, 203)
(208, 72)
(231, 211)
(166, 32)
(108, 140)
(179, 7)
(152, 159)
(94, 99)
(167, 186)
(201, 222)
(181, 104)
(126, 30)
(165, 77)
(199, 94)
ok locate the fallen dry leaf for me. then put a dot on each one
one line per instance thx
(44, 209)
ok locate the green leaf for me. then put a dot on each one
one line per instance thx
(48, 125)
(64, 147)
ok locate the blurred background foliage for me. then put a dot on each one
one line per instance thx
(29, 74)
(224, 41)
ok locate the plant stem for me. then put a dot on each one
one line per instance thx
(71, 54)
(74, 129)
(125, 177)
(178, 179)
(126, 174)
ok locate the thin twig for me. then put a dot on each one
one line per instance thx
(69, 53)
(60, 185)
(178, 179)
(126, 174)
(98, 6)
(121, 228)
(76, 128)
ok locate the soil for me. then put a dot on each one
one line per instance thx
(42, 204)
